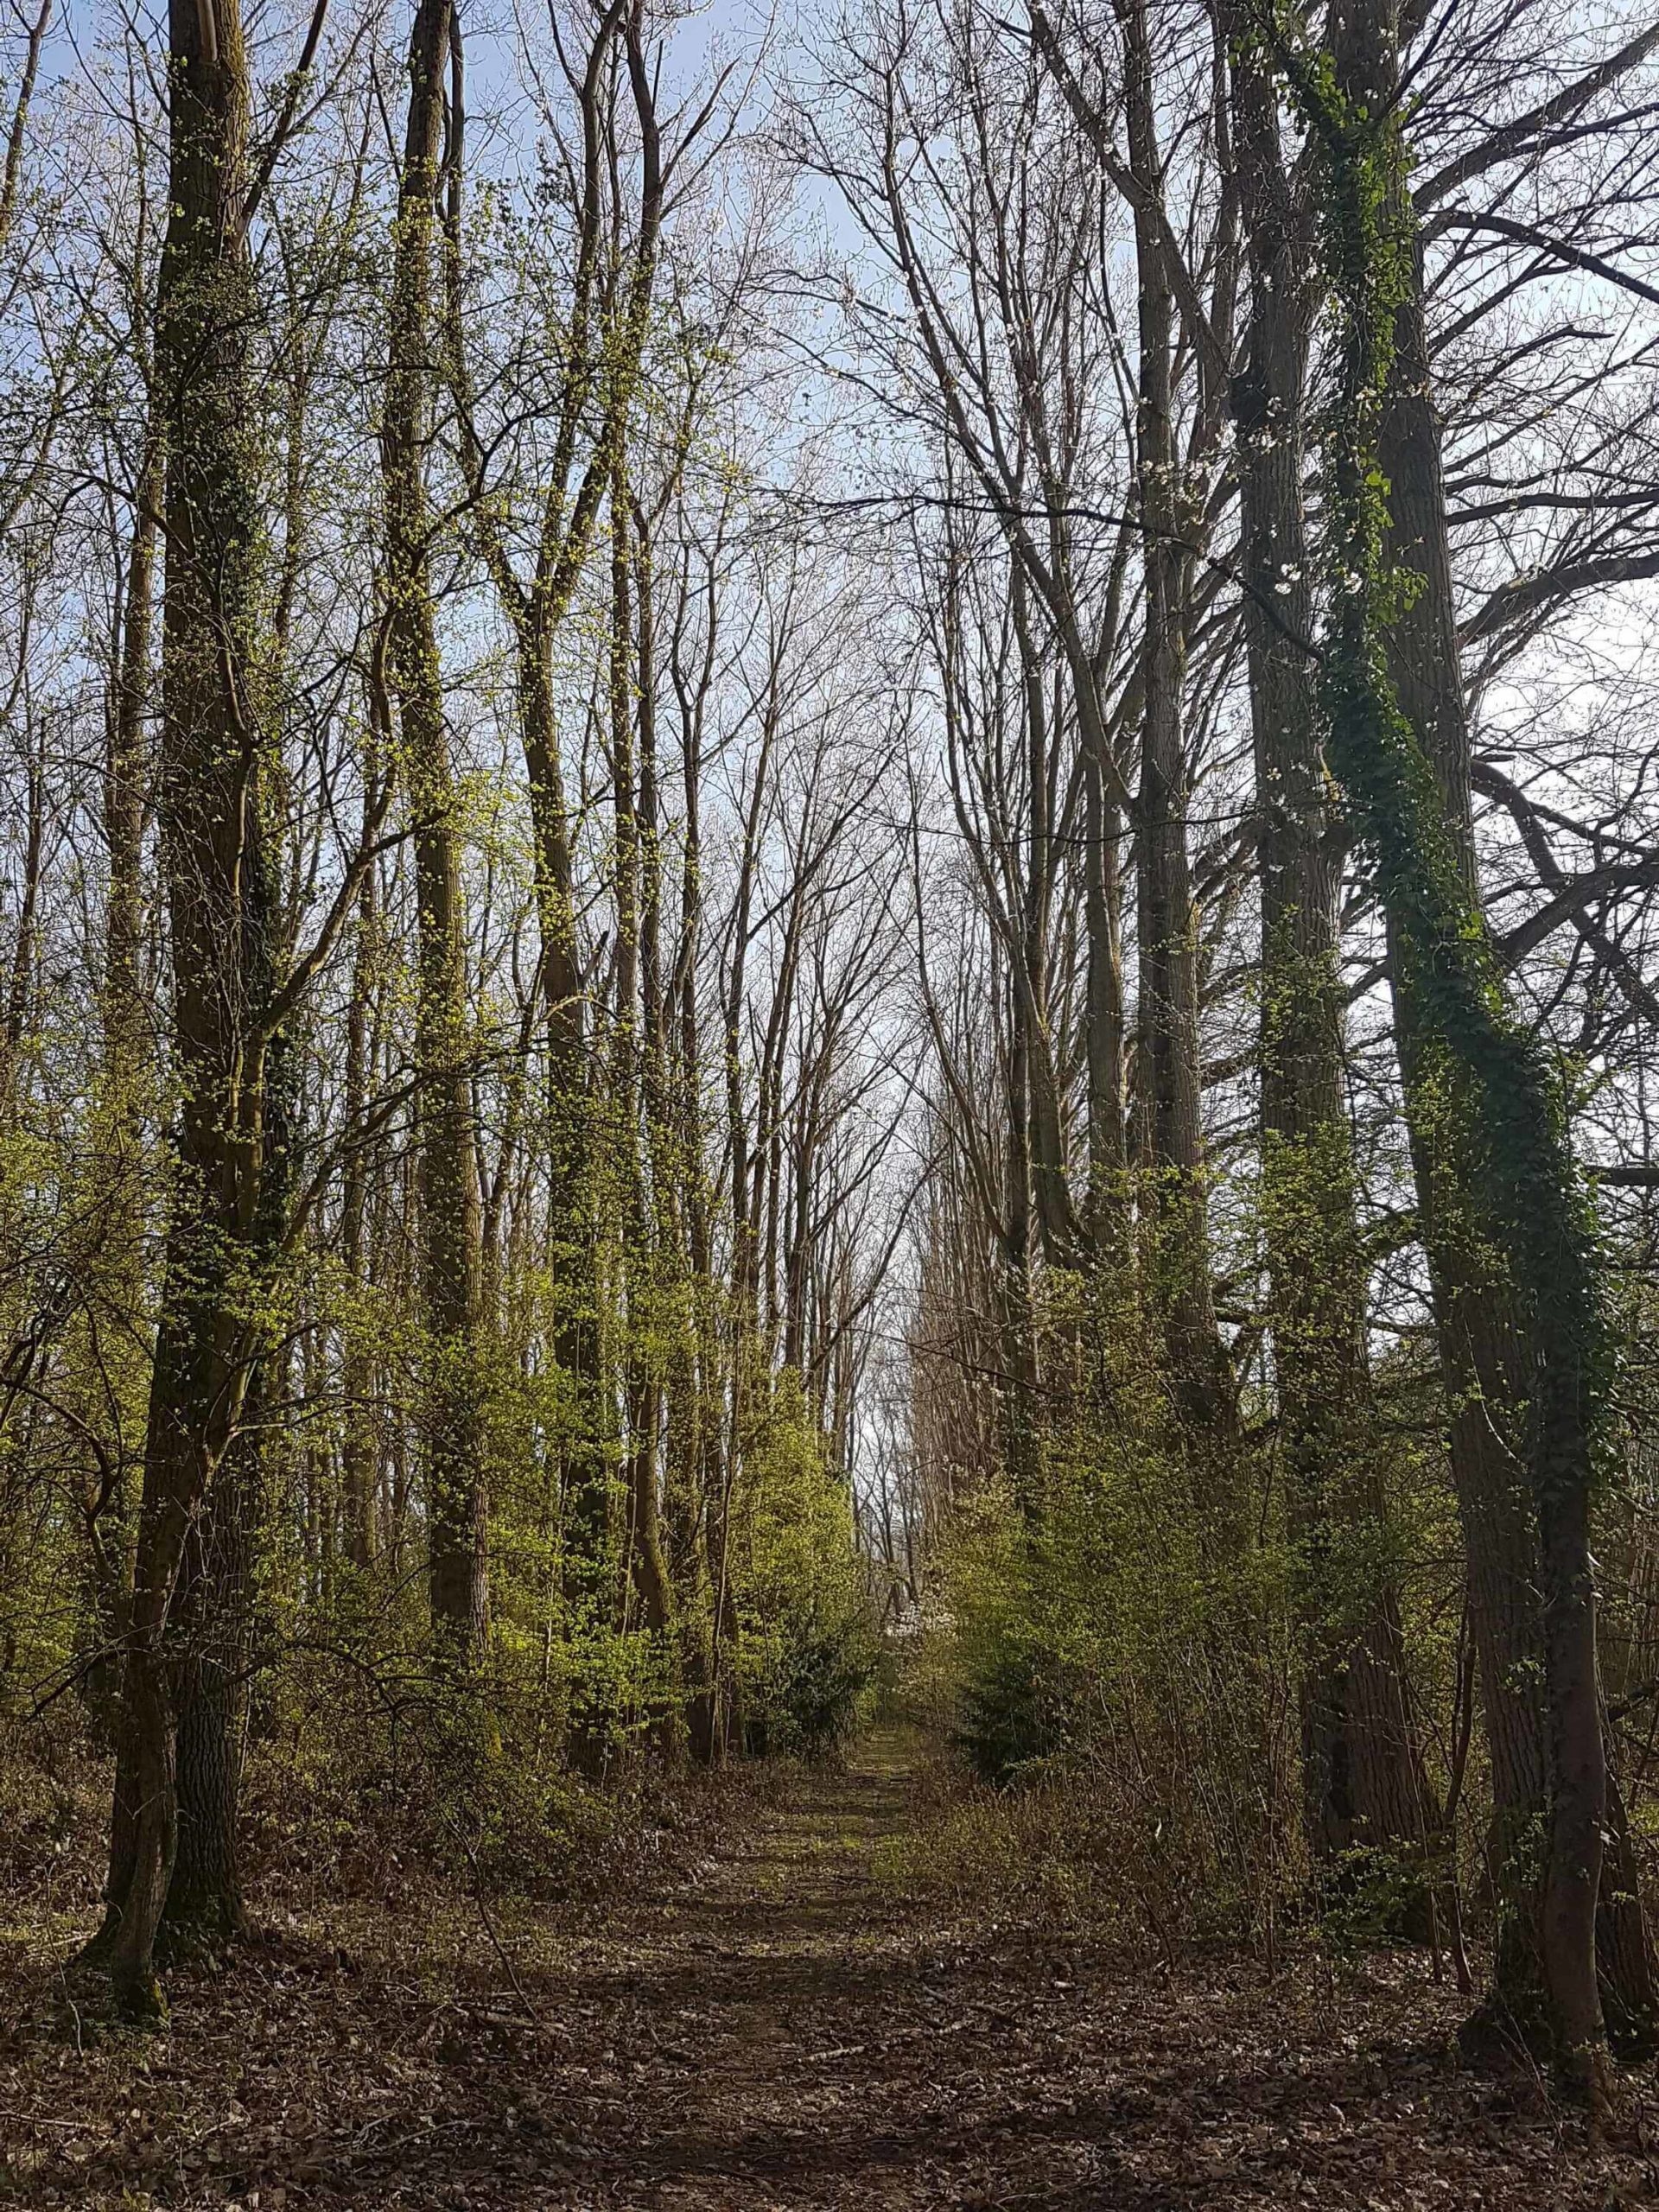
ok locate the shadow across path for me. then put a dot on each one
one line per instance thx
(791, 2032)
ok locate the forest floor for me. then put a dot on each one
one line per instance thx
(788, 2029)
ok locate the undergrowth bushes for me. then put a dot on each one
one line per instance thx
(1113, 1646)
(353, 1800)
(569, 1753)
(1113, 1649)
(809, 1644)
(1123, 1680)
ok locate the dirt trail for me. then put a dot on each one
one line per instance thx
(807, 2040)
(789, 2033)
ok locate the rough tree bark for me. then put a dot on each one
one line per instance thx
(220, 933)
(122, 1105)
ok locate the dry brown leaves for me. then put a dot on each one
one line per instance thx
(773, 2030)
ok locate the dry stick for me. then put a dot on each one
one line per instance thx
(531, 2014)
(20, 122)
(1464, 1710)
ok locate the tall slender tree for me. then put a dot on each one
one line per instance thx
(214, 795)
(451, 1219)
(1363, 1770)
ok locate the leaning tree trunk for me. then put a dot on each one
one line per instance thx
(1485, 1338)
(451, 1214)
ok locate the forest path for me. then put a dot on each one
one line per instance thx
(788, 2031)
(802, 2034)
(795, 2032)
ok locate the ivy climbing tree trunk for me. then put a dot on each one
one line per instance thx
(1503, 1213)
(1485, 1350)
(1363, 1777)
(636, 1068)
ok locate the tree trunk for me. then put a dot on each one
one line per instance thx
(122, 1104)
(1363, 1778)
(1488, 1344)
(637, 1057)
(359, 1447)
(1200, 1375)
(218, 887)
(212, 1626)
(451, 1218)
(1504, 1224)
